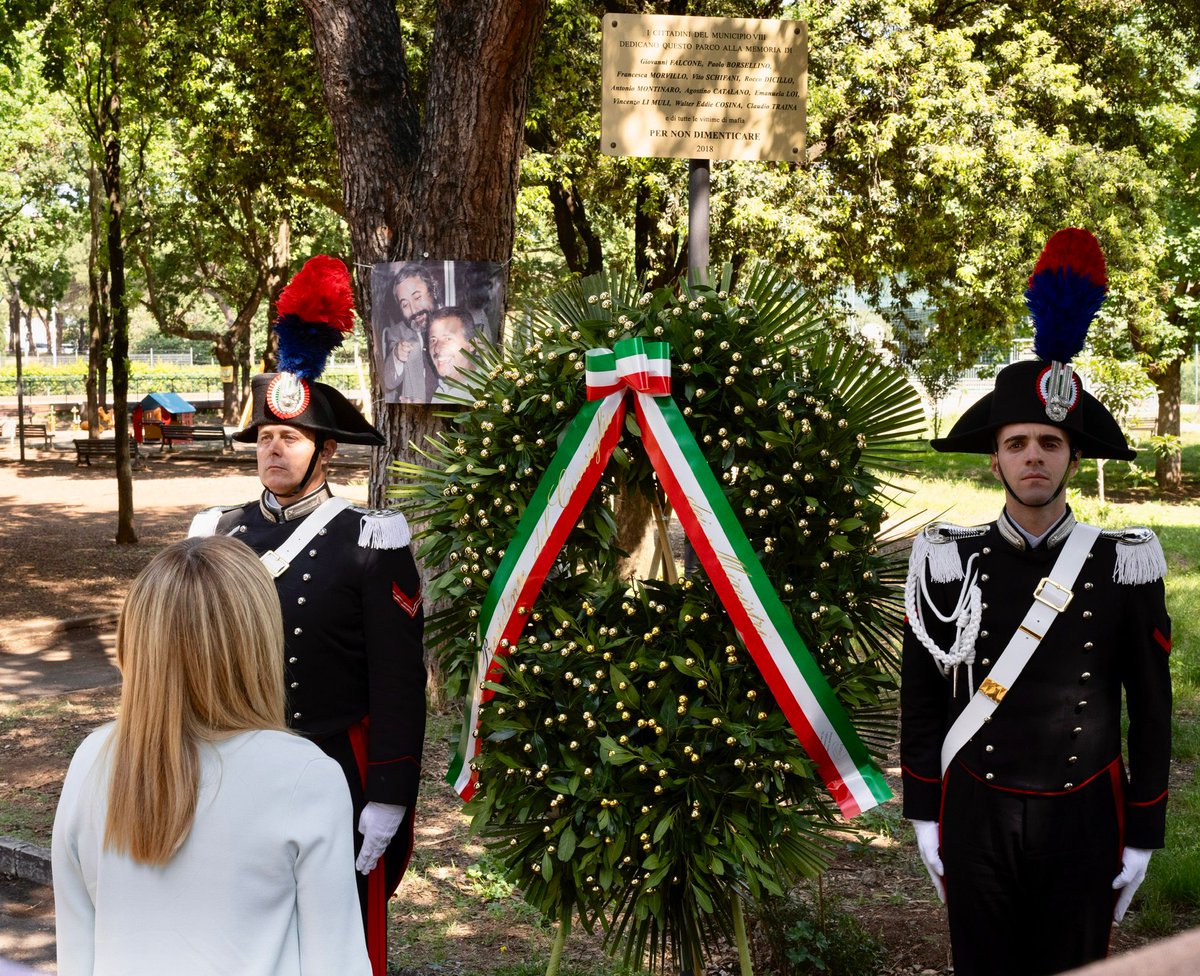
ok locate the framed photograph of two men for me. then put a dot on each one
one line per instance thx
(427, 317)
(703, 87)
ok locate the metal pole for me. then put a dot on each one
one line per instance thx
(698, 222)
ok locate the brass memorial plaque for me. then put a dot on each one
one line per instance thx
(704, 87)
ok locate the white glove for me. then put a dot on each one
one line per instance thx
(927, 844)
(378, 824)
(1134, 862)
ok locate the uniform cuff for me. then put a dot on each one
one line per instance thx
(922, 796)
(1146, 823)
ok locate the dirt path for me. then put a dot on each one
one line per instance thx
(58, 521)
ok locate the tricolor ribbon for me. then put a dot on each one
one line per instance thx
(763, 623)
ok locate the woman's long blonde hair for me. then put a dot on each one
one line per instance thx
(200, 647)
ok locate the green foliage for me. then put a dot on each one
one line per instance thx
(636, 768)
(813, 936)
(1164, 445)
(1119, 384)
(488, 882)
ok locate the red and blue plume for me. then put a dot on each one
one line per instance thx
(1065, 291)
(316, 312)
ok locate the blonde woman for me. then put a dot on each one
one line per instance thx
(196, 835)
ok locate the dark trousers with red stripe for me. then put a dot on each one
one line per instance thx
(1029, 876)
(373, 890)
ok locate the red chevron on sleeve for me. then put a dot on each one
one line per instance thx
(409, 604)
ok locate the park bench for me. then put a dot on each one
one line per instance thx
(194, 432)
(1141, 429)
(103, 447)
(27, 431)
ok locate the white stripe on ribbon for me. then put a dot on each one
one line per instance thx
(740, 582)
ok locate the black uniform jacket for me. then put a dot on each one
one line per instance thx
(353, 627)
(1059, 725)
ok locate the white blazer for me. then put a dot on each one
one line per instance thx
(262, 886)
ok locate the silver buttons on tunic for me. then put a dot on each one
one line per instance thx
(312, 553)
(983, 633)
(295, 684)
(987, 550)
(301, 600)
(986, 661)
(989, 776)
(322, 531)
(1085, 676)
(1087, 614)
(1088, 586)
(298, 631)
(295, 714)
(306, 577)
(1072, 760)
(1076, 731)
(1088, 645)
(983, 577)
(989, 748)
(1068, 786)
(293, 660)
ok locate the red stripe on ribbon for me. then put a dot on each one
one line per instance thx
(1163, 641)
(745, 626)
(600, 392)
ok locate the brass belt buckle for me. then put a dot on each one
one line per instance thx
(275, 563)
(993, 689)
(1058, 598)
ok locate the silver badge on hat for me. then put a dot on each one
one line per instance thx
(1058, 388)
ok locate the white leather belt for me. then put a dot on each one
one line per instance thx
(1051, 597)
(278, 560)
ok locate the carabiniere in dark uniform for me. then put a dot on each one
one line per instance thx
(348, 586)
(1050, 754)
(352, 649)
(1019, 640)
(1059, 727)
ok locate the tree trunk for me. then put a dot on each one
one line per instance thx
(14, 320)
(226, 352)
(126, 534)
(281, 260)
(30, 342)
(445, 190)
(1168, 471)
(573, 228)
(97, 314)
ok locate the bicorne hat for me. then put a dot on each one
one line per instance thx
(1065, 292)
(315, 314)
